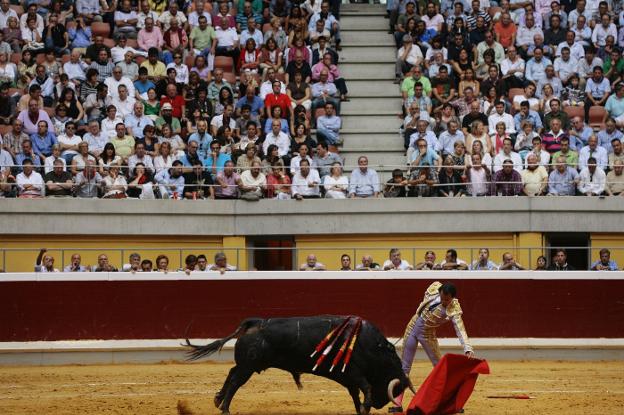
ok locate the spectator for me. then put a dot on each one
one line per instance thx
(30, 184)
(428, 263)
(478, 176)
(560, 261)
(534, 177)
(58, 181)
(202, 263)
(592, 179)
(146, 265)
(615, 179)
(312, 264)
(252, 182)
(450, 179)
(221, 264)
(598, 89)
(422, 181)
(484, 263)
(408, 56)
(563, 179)
(364, 182)
(507, 154)
(508, 181)
(305, 183)
(328, 126)
(395, 262)
(162, 263)
(30, 118)
(45, 262)
(336, 183)
(171, 181)
(226, 180)
(571, 156)
(605, 263)
(610, 133)
(198, 183)
(367, 264)
(87, 182)
(103, 264)
(509, 263)
(592, 149)
(114, 184)
(278, 183)
(345, 262)
(75, 266)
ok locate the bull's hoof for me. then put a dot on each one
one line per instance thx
(364, 410)
(218, 399)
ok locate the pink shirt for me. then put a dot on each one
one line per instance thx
(151, 39)
(334, 73)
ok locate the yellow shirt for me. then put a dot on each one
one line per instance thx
(533, 180)
(157, 70)
(123, 147)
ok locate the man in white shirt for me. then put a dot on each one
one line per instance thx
(512, 68)
(140, 156)
(95, 138)
(565, 65)
(395, 263)
(277, 137)
(145, 13)
(593, 150)
(124, 102)
(30, 183)
(407, 56)
(305, 183)
(576, 49)
(193, 17)
(303, 155)
(126, 21)
(501, 116)
(602, 30)
(119, 52)
(526, 34)
(252, 33)
(5, 12)
(266, 87)
(113, 82)
(69, 142)
(592, 179)
(507, 153)
(137, 121)
(227, 41)
(364, 182)
(252, 182)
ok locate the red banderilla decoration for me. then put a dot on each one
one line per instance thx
(331, 345)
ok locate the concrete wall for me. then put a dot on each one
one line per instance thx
(268, 217)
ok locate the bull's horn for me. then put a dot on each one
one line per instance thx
(411, 386)
(391, 386)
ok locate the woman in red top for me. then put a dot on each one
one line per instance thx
(250, 58)
(278, 183)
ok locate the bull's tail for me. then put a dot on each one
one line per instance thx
(197, 352)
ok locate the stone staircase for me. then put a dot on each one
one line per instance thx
(370, 123)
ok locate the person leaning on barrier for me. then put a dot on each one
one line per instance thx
(312, 264)
(75, 266)
(45, 262)
(345, 263)
(484, 263)
(134, 263)
(509, 263)
(615, 179)
(103, 264)
(428, 262)
(563, 179)
(560, 261)
(367, 264)
(605, 263)
(394, 262)
(452, 262)
(592, 179)
(221, 264)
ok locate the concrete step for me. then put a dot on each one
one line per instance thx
(351, 38)
(372, 54)
(364, 23)
(353, 9)
(381, 123)
(371, 106)
(380, 161)
(367, 71)
(370, 142)
(375, 89)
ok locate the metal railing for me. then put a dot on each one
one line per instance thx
(23, 259)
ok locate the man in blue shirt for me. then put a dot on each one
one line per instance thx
(609, 134)
(43, 140)
(597, 89)
(202, 138)
(328, 125)
(215, 161)
(255, 103)
(142, 84)
(27, 154)
(528, 115)
(563, 179)
(605, 263)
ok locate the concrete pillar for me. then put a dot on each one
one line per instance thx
(527, 248)
(235, 250)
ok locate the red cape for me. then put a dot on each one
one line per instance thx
(448, 386)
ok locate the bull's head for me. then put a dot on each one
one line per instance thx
(390, 380)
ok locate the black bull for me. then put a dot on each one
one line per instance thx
(286, 343)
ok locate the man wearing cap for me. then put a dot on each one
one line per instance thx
(407, 56)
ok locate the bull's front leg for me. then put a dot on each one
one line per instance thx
(237, 377)
(355, 395)
(366, 389)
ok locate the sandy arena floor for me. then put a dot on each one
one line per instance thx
(557, 387)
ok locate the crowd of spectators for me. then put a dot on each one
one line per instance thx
(559, 262)
(170, 99)
(45, 263)
(508, 98)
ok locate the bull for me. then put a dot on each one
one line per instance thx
(286, 343)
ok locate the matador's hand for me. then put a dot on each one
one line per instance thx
(471, 355)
